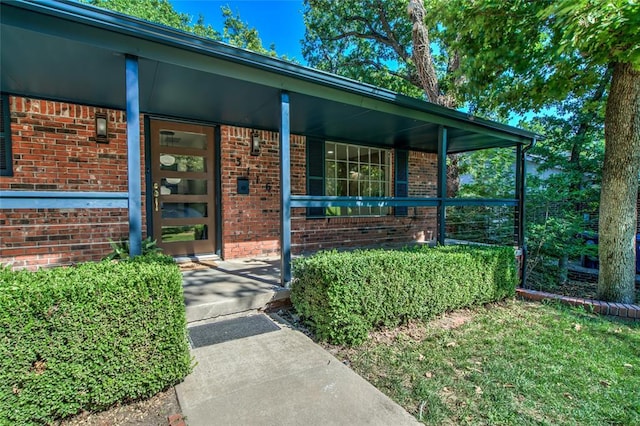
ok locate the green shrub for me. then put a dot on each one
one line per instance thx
(344, 295)
(86, 337)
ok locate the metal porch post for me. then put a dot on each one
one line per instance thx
(522, 187)
(519, 231)
(285, 192)
(133, 156)
(442, 183)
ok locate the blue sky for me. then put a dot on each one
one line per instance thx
(277, 21)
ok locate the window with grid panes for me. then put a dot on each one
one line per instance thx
(356, 171)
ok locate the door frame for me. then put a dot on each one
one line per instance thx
(217, 175)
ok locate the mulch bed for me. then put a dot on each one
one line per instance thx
(572, 288)
(154, 411)
(584, 290)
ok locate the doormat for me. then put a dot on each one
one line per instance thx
(227, 330)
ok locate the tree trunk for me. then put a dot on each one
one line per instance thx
(453, 175)
(563, 269)
(618, 215)
(426, 70)
(422, 51)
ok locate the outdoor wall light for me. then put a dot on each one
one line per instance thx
(255, 143)
(101, 128)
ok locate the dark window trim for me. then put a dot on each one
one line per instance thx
(314, 146)
(6, 166)
(401, 184)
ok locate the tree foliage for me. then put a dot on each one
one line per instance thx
(369, 41)
(602, 32)
(235, 31)
(490, 173)
(510, 57)
(238, 33)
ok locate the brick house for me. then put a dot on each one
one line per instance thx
(117, 128)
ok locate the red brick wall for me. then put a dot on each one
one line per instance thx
(48, 237)
(54, 149)
(251, 223)
(423, 172)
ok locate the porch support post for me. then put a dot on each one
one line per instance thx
(521, 186)
(285, 192)
(519, 230)
(442, 183)
(133, 156)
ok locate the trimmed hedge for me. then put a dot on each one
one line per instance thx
(344, 295)
(86, 337)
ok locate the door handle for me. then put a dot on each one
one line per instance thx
(156, 195)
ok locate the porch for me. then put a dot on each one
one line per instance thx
(215, 287)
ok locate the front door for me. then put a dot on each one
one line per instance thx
(182, 192)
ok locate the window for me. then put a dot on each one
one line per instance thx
(343, 170)
(5, 137)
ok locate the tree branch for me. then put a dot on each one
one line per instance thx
(384, 20)
(586, 122)
(374, 36)
(411, 78)
(387, 39)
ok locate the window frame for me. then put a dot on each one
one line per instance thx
(316, 179)
(6, 166)
(384, 184)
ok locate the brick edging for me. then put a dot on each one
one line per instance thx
(176, 420)
(622, 310)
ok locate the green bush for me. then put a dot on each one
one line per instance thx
(344, 295)
(86, 337)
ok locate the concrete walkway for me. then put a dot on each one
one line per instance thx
(280, 378)
(231, 287)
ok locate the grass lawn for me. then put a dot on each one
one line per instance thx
(511, 363)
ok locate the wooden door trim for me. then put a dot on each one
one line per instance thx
(210, 245)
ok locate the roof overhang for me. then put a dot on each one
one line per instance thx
(69, 51)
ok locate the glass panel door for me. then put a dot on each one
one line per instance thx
(182, 162)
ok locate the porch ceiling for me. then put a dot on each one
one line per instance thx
(67, 51)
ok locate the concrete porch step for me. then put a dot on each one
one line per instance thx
(232, 287)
